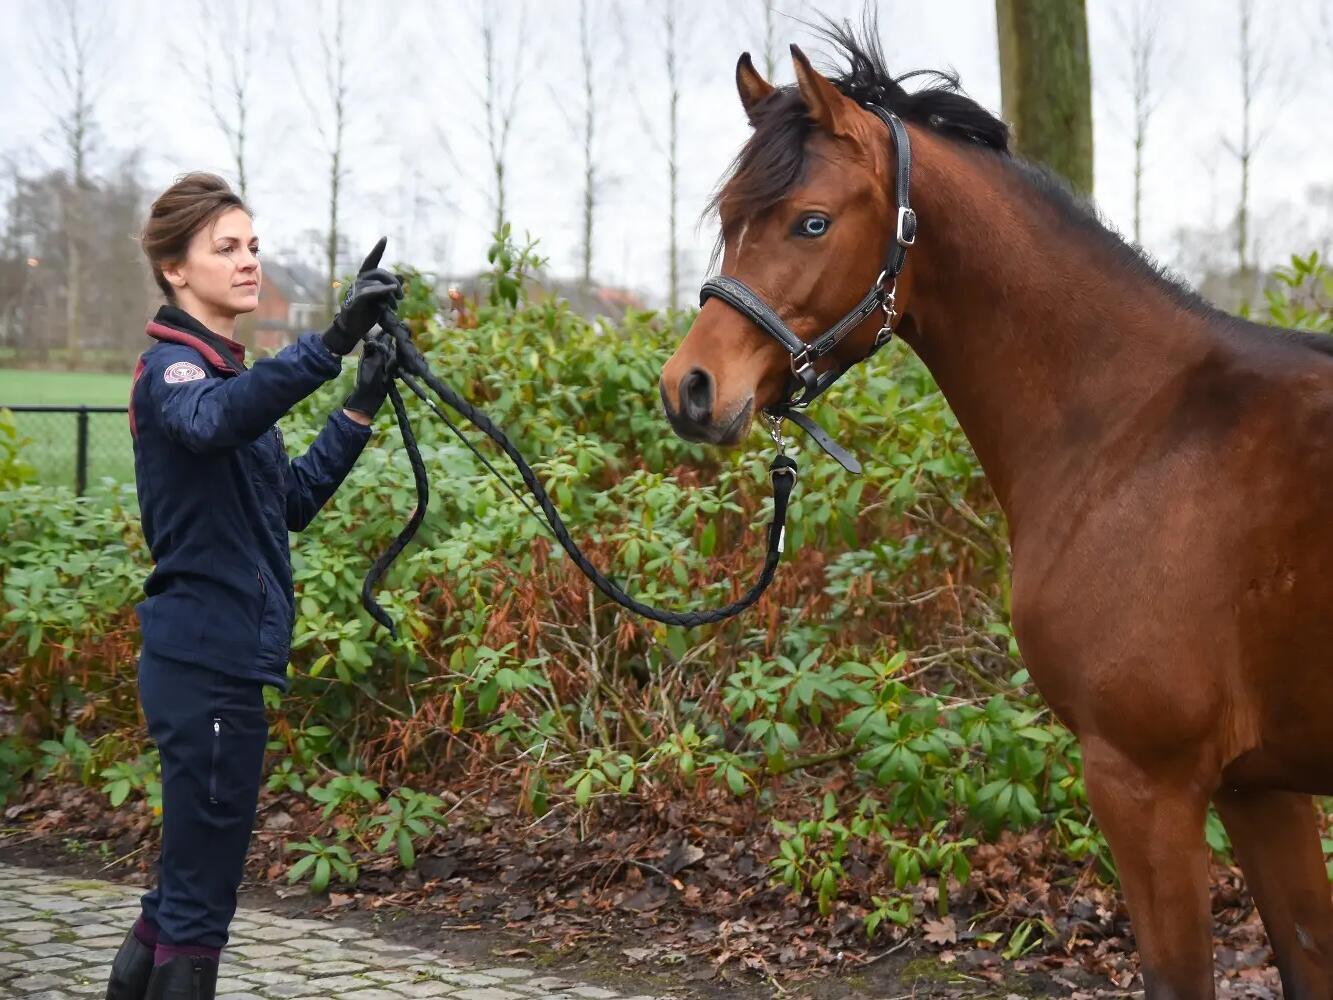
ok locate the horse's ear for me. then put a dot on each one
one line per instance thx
(829, 107)
(753, 88)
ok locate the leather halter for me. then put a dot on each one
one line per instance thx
(806, 384)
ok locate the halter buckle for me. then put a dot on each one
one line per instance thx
(805, 362)
(906, 227)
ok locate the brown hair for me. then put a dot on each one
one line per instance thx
(194, 201)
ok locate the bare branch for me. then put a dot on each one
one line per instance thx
(76, 39)
(1140, 34)
(503, 81)
(221, 65)
(329, 113)
(762, 21)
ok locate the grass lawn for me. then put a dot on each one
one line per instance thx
(64, 388)
(53, 437)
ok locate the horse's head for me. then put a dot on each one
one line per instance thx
(807, 217)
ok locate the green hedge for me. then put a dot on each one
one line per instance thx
(883, 648)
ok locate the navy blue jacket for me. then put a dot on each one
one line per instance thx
(218, 494)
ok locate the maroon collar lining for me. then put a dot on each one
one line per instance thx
(214, 358)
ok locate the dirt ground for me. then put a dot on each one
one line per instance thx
(603, 957)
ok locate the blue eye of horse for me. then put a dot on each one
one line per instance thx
(812, 225)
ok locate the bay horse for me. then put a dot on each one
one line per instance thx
(1166, 471)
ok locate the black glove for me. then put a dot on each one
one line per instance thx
(373, 288)
(374, 376)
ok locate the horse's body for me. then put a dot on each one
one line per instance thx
(1166, 472)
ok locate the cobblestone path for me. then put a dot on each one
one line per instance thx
(58, 936)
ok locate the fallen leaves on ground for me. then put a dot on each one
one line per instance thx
(656, 885)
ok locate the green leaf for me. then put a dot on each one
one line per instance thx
(735, 781)
(348, 651)
(299, 869)
(583, 793)
(118, 791)
(708, 539)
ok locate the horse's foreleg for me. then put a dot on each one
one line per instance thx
(1277, 844)
(1154, 825)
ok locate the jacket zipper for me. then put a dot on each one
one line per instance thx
(213, 771)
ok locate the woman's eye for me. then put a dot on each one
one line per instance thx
(812, 225)
(226, 249)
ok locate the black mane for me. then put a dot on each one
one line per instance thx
(772, 162)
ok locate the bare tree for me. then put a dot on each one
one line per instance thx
(222, 67)
(35, 266)
(503, 80)
(495, 87)
(671, 58)
(589, 136)
(763, 21)
(75, 43)
(329, 113)
(1256, 78)
(666, 142)
(1140, 34)
(583, 116)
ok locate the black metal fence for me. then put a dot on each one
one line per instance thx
(73, 445)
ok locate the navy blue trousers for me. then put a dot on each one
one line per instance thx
(211, 731)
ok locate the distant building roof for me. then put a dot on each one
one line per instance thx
(588, 301)
(298, 283)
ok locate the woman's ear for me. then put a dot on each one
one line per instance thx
(175, 273)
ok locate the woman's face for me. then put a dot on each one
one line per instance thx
(220, 275)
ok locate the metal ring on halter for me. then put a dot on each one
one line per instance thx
(889, 303)
(775, 431)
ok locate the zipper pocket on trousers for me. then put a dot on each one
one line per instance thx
(213, 769)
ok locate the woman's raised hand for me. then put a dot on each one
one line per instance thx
(373, 289)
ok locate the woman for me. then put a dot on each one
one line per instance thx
(218, 496)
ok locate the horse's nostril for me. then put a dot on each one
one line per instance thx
(696, 396)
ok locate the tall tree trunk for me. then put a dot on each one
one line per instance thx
(336, 74)
(673, 165)
(1245, 152)
(589, 127)
(77, 139)
(1046, 83)
(770, 40)
(504, 80)
(331, 250)
(74, 284)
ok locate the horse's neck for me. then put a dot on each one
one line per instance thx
(1042, 342)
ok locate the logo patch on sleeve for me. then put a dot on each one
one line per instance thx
(182, 371)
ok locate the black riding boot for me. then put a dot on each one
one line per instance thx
(184, 978)
(130, 970)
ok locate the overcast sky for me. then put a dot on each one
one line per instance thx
(416, 162)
